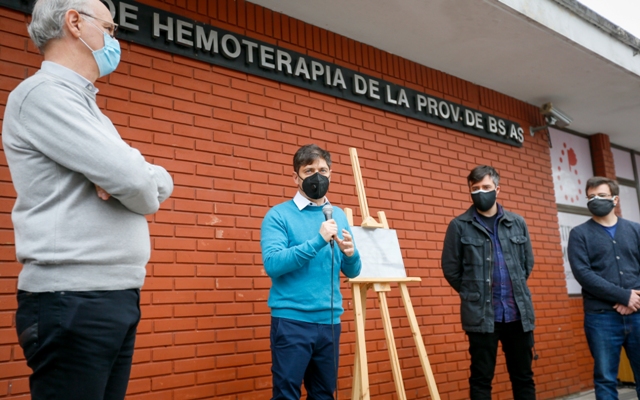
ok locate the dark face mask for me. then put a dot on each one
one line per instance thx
(600, 207)
(482, 200)
(315, 186)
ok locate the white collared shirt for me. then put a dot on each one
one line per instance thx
(302, 202)
(68, 74)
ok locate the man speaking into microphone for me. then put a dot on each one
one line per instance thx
(297, 240)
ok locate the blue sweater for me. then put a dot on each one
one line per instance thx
(298, 260)
(606, 268)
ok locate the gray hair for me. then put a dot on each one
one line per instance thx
(47, 19)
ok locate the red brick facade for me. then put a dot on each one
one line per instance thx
(228, 138)
(601, 156)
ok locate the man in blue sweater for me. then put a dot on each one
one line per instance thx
(304, 265)
(604, 253)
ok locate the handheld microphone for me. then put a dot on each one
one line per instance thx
(327, 210)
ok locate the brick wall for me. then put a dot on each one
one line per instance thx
(602, 156)
(585, 361)
(228, 138)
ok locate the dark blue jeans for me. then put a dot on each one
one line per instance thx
(607, 333)
(78, 344)
(516, 345)
(303, 351)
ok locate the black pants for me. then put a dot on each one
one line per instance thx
(78, 344)
(516, 346)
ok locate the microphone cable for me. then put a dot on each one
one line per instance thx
(333, 334)
(327, 210)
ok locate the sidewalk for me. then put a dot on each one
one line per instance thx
(626, 393)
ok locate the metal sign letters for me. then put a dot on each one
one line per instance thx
(152, 27)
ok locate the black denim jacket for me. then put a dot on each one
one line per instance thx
(467, 263)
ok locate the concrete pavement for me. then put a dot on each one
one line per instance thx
(625, 393)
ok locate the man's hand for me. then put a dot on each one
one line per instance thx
(622, 310)
(634, 300)
(102, 193)
(346, 244)
(328, 230)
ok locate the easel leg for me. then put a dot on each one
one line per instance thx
(360, 390)
(417, 337)
(391, 345)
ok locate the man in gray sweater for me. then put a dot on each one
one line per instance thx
(604, 253)
(79, 218)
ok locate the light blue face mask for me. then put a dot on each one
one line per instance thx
(107, 57)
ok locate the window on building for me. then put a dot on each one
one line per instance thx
(572, 166)
(627, 177)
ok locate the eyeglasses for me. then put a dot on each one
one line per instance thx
(113, 26)
(599, 195)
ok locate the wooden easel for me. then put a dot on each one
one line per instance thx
(359, 288)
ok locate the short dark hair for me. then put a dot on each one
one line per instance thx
(601, 180)
(478, 173)
(309, 153)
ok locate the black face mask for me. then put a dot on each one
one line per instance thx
(600, 207)
(482, 200)
(315, 186)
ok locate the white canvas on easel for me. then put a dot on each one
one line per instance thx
(379, 253)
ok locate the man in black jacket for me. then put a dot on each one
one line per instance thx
(487, 258)
(604, 254)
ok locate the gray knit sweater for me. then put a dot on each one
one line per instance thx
(59, 146)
